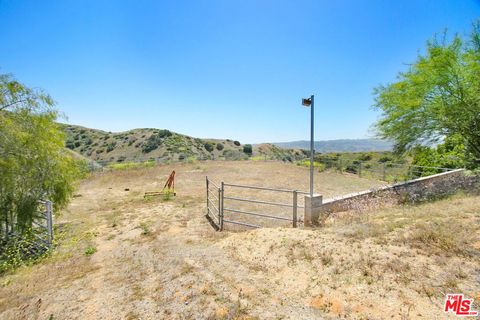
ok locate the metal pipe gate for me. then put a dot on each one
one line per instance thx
(216, 209)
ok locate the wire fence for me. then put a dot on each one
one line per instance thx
(99, 165)
(39, 231)
(385, 171)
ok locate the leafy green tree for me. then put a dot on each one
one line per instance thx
(437, 97)
(33, 161)
(450, 154)
(248, 149)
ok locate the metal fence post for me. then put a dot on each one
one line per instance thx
(222, 190)
(294, 208)
(219, 207)
(49, 216)
(206, 178)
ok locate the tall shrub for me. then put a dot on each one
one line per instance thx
(34, 164)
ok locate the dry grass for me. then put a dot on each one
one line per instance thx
(161, 259)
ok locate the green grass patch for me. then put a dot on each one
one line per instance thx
(131, 165)
(90, 250)
(306, 163)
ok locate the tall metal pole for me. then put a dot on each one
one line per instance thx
(312, 150)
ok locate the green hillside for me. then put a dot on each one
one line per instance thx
(164, 146)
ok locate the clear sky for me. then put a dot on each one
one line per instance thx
(220, 68)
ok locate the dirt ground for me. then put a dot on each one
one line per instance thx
(119, 256)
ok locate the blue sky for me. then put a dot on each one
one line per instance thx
(219, 68)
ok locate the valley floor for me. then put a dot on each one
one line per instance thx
(122, 257)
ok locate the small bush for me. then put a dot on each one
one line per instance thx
(385, 159)
(237, 143)
(208, 146)
(152, 143)
(90, 250)
(145, 228)
(351, 168)
(220, 146)
(70, 144)
(164, 134)
(365, 157)
(111, 146)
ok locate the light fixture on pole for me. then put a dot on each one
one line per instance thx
(310, 103)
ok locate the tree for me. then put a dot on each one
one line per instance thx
(248, 149)
(450, 154)
(34, 164)
(208, 146)
(437, 97)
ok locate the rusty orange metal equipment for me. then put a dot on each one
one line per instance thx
(168, 187)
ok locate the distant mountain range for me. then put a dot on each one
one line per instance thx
(340, 145)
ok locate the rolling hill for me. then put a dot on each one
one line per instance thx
(162, 145)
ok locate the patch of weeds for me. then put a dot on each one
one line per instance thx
(90, 235)
(307, 256)
(326, 258)
(397, 266)
(90, 250)
(365, 230)
(460, 274)
(145, 228)
(440, 237)
(450, 284)
(22, 250)
(186, 268)
(239, 311)
(167, 194)
(207, 290)
(113, 221)
(367, 270)
(427, 291)
(336, 270)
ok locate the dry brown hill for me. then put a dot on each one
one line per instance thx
(164, 146)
